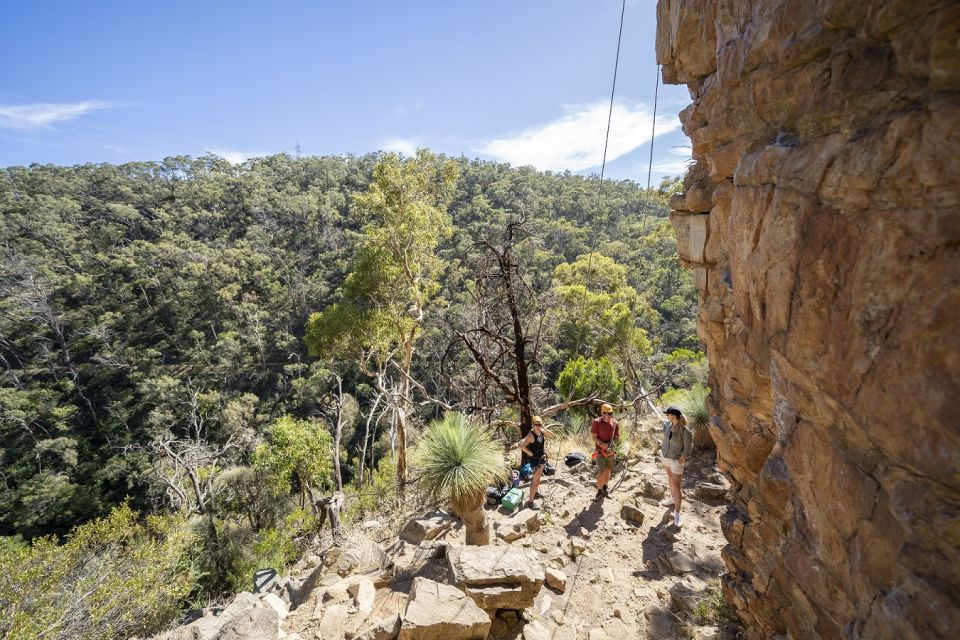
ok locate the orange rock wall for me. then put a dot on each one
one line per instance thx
(822, 221)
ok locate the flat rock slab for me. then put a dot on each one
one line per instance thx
(426, 527)
(441, 612)
(497, 577)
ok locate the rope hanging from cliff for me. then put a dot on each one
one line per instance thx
(603, 164)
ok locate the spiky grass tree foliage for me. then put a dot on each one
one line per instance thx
(458, 459)
(693, 403)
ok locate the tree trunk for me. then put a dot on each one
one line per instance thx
(403, 408)
(474, 518)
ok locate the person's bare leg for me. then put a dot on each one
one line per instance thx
(675, 490)
(535, 484)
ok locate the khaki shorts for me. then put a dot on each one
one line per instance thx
(675, 466)
(605, 464)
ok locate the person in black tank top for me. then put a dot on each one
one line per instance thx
(533, 446)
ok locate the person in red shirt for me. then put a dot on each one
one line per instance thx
(606, 434)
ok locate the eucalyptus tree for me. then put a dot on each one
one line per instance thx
(378, 317)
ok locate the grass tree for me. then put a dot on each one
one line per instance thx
(458, 460)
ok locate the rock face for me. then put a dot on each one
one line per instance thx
(822, 222)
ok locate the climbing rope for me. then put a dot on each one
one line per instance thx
(603, 164)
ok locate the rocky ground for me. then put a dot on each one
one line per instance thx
(577, 568)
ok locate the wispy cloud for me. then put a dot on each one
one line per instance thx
(44, 114)
(405, 146)
(675, 164)
(575, 140)
(235, 156)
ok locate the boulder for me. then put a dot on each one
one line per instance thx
(556, 579)
(333, 621)
(675, 563)
(258, 623)
(364, 594)
(683, 598)
(264, 579)
(275, 602)
(426, 527)
(577, 546)
(441, 612)
(205, 628)
(383, 629)
(711, 491)
(497, 577)
(654, 490)
(536, 631)
(631, 514)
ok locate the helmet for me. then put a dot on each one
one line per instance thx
(605, 408)
(537, 420)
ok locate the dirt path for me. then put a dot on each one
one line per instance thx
(651, 580)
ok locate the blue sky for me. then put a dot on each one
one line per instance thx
(526, 82)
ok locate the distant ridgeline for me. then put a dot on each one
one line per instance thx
(151, 301)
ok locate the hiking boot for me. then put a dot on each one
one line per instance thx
(600, 495)
(666, 502)
(531, 505)
(676, 519)
(539, 495)
(606, 493)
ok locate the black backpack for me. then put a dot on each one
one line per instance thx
(574, 458)
(495, 494)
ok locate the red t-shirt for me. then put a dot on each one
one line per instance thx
(606, 431)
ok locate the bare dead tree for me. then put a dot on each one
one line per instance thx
(504, 333)
(338, 400)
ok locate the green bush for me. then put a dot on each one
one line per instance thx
(114, 577)
(584, 376)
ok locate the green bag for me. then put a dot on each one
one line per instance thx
(512, 499)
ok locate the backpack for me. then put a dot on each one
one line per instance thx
(574, 458)
(549, 469)
(495, 494)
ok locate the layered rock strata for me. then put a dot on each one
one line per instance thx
(822, 221)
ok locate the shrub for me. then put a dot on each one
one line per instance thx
(114, 577)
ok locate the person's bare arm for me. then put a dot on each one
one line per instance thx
(523, 444)
(548, 433)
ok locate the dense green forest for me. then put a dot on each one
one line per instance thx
(154, 320)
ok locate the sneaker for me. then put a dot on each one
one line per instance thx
(531, 505)
(539, 495)
(600, 495)
(676, 519)
(666, 502)
(606, 493)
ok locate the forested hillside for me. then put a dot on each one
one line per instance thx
(153, 320)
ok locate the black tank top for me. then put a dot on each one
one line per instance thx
(536, 447)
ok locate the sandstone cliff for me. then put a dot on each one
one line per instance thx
(822, 220)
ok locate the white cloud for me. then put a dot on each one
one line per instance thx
(235, 156)
(575, 140)
(43, 114)
(676, 165)
(400, 145)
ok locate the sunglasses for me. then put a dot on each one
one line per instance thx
(607, 413)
